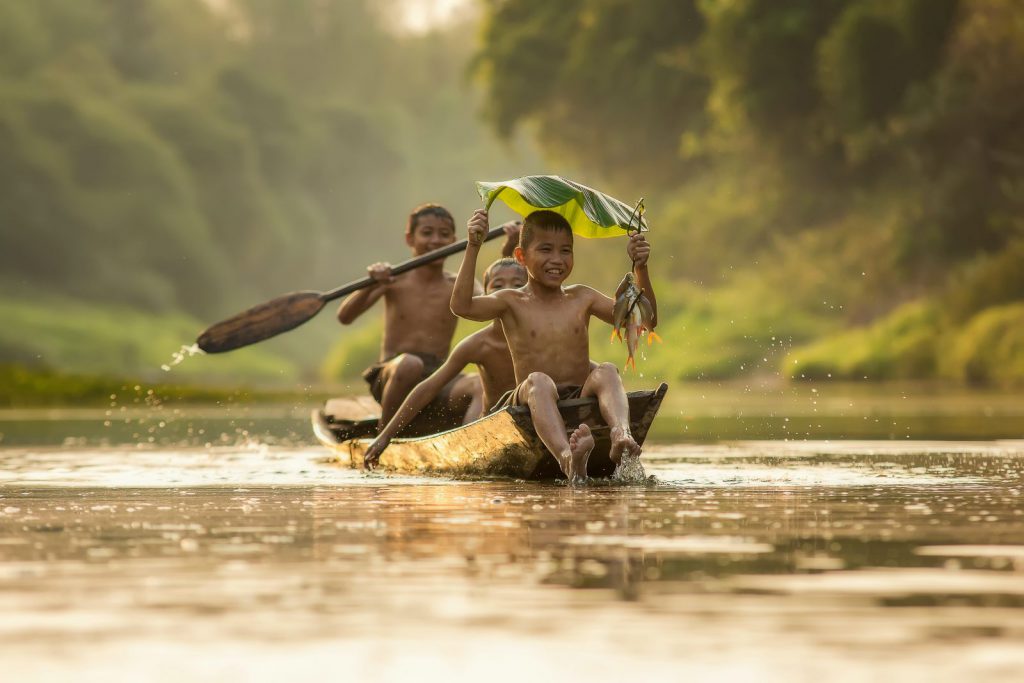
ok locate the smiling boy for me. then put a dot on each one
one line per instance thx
(418, 323)
(546, 325)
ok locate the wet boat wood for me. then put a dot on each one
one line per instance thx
(502, 444)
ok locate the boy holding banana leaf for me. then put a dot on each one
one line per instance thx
(546, 327)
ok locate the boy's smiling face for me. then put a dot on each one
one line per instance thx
(431, 232)
(548, 257)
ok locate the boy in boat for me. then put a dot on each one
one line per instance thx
(487, 349)
(546, 327)
(418, 324)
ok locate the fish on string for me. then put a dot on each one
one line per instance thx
(633, 315)
(633, 318)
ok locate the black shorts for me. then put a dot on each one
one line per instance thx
(374, 375)
(511, 398)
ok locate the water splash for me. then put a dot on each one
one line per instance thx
(181, 354)
(630, 470)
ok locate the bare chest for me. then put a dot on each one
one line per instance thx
(549, 325)
(411, 301)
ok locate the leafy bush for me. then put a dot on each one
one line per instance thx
(121, 342)
(988, 280)
(902, 345)
(990, 348)
(356, 350)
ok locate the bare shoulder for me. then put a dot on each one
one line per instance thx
(470, 348)
(509, 296)
(585, 292)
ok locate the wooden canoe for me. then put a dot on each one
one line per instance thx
(502, 444)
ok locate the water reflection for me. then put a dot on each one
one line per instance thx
(760, 550)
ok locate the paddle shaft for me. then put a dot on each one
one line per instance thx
(287, 312)
(406, 266)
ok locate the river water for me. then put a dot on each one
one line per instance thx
(166, 548)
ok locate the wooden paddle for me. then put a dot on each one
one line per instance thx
(291, 310)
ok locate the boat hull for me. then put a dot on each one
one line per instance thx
(502, 444)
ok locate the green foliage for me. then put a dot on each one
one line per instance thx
(23, 40)
(989, 280)
(808, 164)
(179, 161)
(850, 156)
(625, 74)
(61, 334)
(102, 172)
(864, 67)
(761, 54)
(23, 386)
(903, 345)
(355, 351)
(990, 348)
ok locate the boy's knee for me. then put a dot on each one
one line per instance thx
(407, 367)
(605, 372)
(539, 382)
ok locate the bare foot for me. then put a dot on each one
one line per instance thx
(581, 442)
(625, 453)
(623, 445)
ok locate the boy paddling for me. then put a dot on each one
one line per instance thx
(418, 324)
(486, 349)
(546, 326)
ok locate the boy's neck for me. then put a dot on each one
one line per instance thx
(430, 271)
(541, 290)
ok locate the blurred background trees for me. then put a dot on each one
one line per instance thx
(836, 186)
(185, 160)
(814, 166)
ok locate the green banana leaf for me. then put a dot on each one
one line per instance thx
(589, 212)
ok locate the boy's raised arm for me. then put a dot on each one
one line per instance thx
(639, 249)
(464, 304)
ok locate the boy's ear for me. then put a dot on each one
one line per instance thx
(408, 237)
(520, 258)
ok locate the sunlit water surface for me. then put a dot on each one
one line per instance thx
(759, 561)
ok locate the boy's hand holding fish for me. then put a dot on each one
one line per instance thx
(639, 250)
(635, 312)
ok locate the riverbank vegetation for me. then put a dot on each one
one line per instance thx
(836, 187)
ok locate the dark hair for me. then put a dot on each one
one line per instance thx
(427, 210)
(542, 220)
(507, 262)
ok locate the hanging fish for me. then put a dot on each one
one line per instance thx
(633, 315)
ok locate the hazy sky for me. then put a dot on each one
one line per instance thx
(422, 15)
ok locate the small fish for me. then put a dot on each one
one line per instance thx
(633, 314)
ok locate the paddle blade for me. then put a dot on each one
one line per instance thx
(261, 322)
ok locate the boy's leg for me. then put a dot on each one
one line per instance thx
(400, 375)
(540, 393)
(605, 383)
(467, 397)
